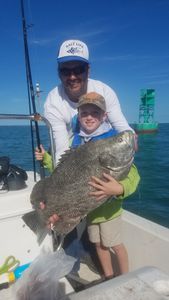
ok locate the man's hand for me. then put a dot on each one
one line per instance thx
(52, 220)
(107, 188)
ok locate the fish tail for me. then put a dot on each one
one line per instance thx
(36, 224)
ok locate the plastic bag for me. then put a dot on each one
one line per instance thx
(41, 280)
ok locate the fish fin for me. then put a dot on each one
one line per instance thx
(65, 155)
(36, 224)
(58, 240)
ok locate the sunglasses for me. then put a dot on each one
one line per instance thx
(76, 70)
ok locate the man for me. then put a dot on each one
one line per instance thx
(61, 104)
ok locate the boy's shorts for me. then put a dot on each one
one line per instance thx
(107, 233)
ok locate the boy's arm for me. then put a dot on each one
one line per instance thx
(47, 162)
(130, 183)
(112, 187)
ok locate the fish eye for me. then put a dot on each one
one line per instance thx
(120, 140)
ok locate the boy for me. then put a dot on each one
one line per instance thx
(104, 222)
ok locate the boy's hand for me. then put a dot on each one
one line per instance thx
(39, 154)
(110, 187)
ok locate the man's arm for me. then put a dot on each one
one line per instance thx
(114, 112)
(115, 115)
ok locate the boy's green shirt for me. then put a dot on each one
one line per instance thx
(47, 162)
(112, 208)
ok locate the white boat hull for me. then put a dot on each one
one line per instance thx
(147, 242)
(16, 238)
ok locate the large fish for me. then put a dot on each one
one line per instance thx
(66, 190)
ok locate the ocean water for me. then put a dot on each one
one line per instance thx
(151, 200)
(152, 160)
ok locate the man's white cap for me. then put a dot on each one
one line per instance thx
(73, 50)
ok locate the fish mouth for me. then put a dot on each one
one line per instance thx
(118, 169)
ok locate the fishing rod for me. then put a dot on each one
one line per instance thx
(31, 94)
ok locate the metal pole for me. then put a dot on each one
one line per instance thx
(31, 93)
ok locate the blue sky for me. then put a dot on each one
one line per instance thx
(128, 42)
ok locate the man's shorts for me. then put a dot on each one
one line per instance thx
(107, 233)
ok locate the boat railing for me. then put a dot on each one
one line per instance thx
(35, 118)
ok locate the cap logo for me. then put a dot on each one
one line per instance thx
(74, 50)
